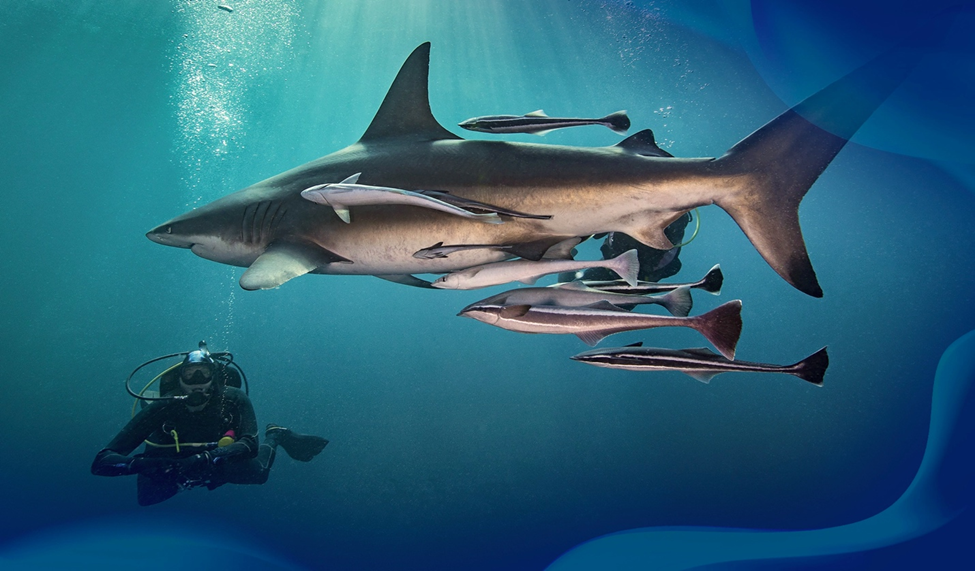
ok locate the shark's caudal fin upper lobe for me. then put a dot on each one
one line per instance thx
(774, 167)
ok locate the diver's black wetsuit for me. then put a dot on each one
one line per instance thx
(165, 422)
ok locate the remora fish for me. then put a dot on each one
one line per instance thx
(627, 265)
(701, 364)
(627, 188)
(538, 123)
(711, 283)
(721, 326)
(438, 250)
(340, 196)
(574, 294)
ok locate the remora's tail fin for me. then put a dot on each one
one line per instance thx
(618, 122)
(626, 265)
(721, 326)
(712, 281)
(678, 302)
(812, 368)
(773, 168)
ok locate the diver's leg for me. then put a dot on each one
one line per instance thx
(255, 470)
(154, 490)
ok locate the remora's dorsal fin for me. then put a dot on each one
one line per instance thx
(405, 111)
(643, 143)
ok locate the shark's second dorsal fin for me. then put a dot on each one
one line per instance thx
(405, 111)
(643, 143)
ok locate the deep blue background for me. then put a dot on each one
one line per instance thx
(454, 444)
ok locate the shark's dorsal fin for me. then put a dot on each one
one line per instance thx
(405, 111)
(538, 113)
(643, 143)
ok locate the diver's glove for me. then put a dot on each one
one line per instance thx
(196, 467)
(152, 466)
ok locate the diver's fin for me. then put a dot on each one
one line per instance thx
(406, 279)
(405, 112)
(642, 143)
(282, 261)
(301, 447)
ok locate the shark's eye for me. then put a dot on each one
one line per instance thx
(169, 229)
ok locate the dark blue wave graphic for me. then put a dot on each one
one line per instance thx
(941, 491)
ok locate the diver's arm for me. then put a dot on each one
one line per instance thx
(114, 460)
(246, 445)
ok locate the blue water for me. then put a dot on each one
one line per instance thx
(454, 444)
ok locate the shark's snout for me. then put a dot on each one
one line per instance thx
(163, 234)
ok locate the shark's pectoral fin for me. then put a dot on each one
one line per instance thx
(283, 261)
(407, 279)
(343, 213)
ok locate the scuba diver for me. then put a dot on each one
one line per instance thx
(655, 264)
(200, 431)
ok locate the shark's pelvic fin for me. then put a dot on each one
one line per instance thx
(406, 279)
(283, 261)
(405, 111)
(538, 249)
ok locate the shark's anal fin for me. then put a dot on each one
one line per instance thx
(283, 261)
(405, 112)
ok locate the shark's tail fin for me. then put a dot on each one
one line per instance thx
(771, 169)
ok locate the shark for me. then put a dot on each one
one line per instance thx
(632, 187)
